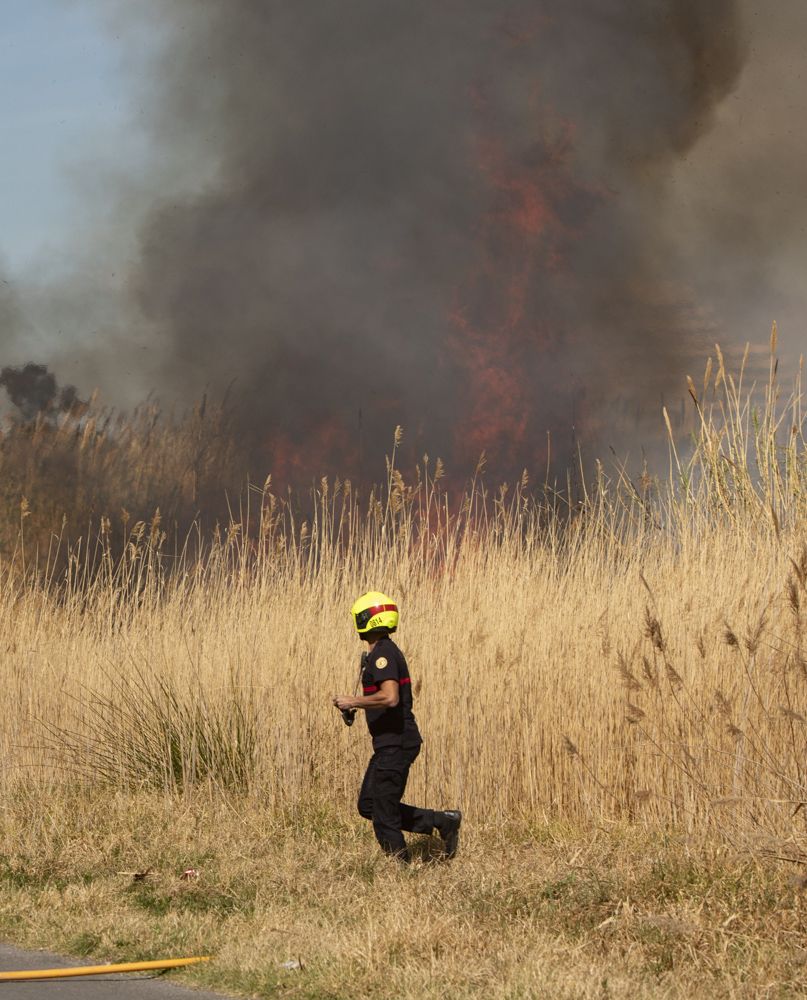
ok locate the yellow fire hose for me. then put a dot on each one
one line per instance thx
(100, 970)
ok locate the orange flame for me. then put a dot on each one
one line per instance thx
(502, 330)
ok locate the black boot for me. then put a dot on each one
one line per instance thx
(448, 826)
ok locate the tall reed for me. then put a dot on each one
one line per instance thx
(635, 652)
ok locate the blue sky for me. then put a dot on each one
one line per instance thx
(64, 95)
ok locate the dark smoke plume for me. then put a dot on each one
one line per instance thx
(444, 214)
(34, 391)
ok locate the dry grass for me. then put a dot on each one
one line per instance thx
(544, 912)
(72, 470)
(615, 693)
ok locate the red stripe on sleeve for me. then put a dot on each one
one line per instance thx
(371, 690)
(405, 680)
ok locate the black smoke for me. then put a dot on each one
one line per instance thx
(350, 214)
(448, 215)
(34, 391)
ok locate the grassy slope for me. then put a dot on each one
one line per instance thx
(549, 912)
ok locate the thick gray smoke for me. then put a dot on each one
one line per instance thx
(447, 214)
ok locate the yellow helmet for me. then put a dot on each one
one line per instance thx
(374, 610)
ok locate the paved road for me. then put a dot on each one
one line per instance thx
(125, 987)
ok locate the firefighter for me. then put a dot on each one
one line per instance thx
(387, 703)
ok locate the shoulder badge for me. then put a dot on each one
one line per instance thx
(381, 662)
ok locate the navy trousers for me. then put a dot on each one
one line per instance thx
(380, 799)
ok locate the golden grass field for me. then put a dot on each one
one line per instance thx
(613, 691)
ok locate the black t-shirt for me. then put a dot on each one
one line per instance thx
(389, 727)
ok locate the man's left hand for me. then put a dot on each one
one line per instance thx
(342, 701)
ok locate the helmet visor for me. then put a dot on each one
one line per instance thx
(363, 617)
